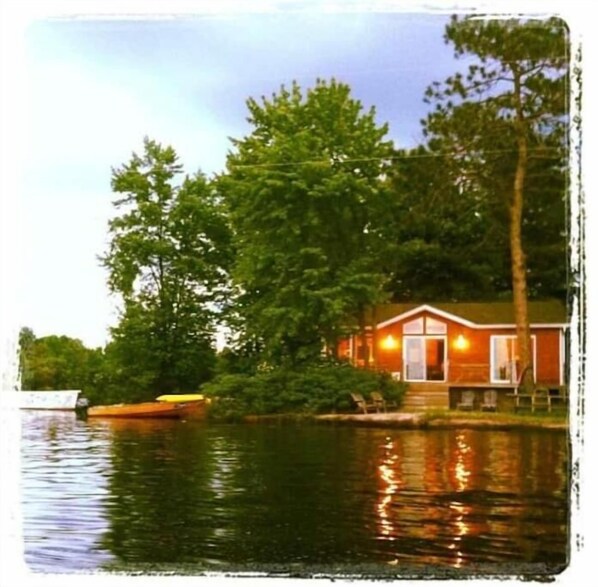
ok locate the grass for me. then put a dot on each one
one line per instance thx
(525, 418)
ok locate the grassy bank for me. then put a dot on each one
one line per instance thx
(452, 419)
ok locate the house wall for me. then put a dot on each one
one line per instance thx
(470, 364)
(547, 355)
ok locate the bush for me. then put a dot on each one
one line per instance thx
(315, 389)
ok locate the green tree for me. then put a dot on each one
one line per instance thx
(54, 362)
(452, 235)
(509, 107)
(305, 197)
(447, 247)
(26, 343)
(167, 261)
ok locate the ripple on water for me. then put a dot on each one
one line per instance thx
(95, 493)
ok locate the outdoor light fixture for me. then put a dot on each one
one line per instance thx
(461, 343)
(389, 343)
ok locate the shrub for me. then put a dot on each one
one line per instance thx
(316, 389)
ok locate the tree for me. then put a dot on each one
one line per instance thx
(167, 260)
(54, 362)
(510, 107)
(447, 246)
(305, 197)
(26, 343)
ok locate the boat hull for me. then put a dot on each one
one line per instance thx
(41, 400)
(186, 410)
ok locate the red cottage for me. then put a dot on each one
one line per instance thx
(444, 349)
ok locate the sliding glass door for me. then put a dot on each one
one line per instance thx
(424, 358)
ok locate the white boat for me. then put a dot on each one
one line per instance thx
(41, 400)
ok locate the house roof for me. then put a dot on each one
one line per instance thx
(480, 313)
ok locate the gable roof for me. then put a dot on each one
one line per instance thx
(551, 312)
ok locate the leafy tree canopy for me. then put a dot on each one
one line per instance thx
(167, 259)
(56, 363)
(306, 202)
(509, 109)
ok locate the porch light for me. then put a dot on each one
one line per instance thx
(461, 343)
(389, 343)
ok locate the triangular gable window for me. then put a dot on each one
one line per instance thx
(434, 326)
(414, 326)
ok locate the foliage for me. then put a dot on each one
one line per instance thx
(58, 363)
(325, 387)
(167, 260)
(509, 108)
(452, 240)
(305, 200)
(447, 246)
(26, 344)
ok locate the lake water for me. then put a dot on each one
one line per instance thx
(191, 497)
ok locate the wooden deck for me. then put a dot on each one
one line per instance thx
(426, 396)
(431, 395)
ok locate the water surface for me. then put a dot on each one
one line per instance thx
(191, 497)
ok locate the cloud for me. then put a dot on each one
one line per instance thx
(96, 88)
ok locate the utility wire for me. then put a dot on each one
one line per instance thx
(392, 158)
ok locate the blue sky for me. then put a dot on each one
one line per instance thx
(95, 88)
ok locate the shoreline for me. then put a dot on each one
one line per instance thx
(423, 420)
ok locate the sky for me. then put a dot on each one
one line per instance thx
(95, 88)
(91, 87)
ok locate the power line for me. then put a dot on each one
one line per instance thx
(392, 158)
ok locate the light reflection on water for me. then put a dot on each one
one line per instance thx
(98, 493)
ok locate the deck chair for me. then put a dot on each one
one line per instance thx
(489, 403)
(380, 403)
(519, 385)
(466, 403)
(361, 404)
(541, 399)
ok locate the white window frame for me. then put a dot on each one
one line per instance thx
(424, 337)
(493, 339)
(418, 325)
(438, 326)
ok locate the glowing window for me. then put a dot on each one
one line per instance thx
(414, 327)
(434, 326)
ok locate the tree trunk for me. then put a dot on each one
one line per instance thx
(332, 346)
(518, 263)
(363, 336)
(374, 338)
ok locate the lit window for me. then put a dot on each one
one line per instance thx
(434, 326)
(505, 366)
(414, 327)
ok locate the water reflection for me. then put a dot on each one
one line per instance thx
(462, 461)
(450, 499)
(389, 476)
(64, 489)
(147, 492)
(460, 475)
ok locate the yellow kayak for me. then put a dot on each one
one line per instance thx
(180, 398)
